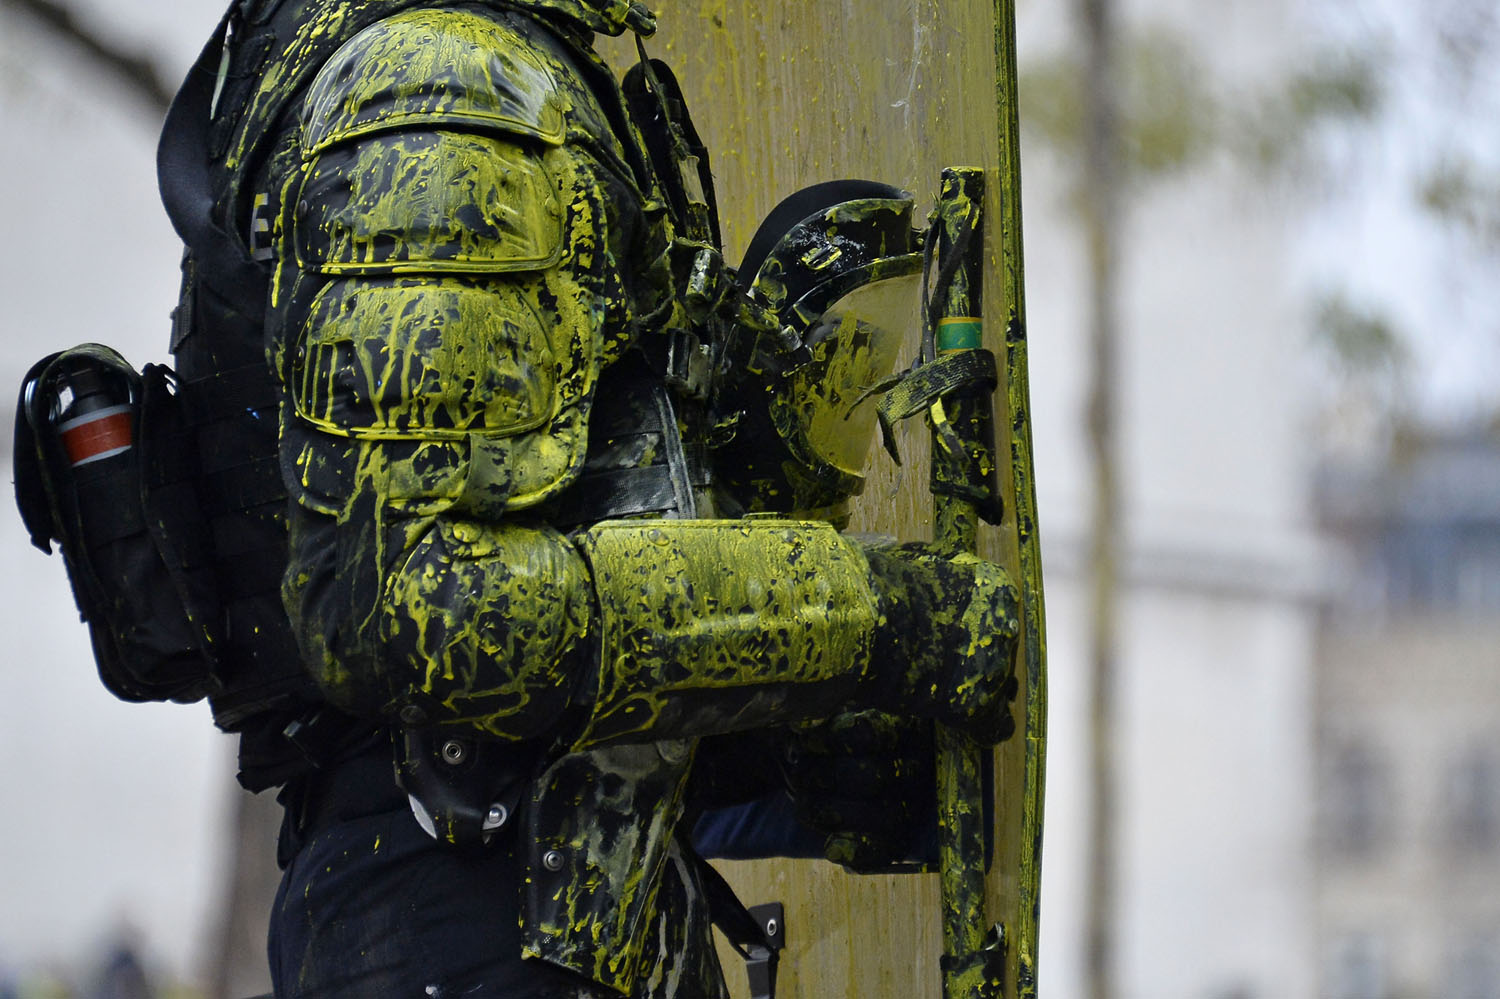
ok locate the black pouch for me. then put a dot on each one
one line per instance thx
(104, 465)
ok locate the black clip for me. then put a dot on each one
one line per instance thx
(761, 959)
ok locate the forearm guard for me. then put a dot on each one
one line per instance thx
(665, 629)
(718, 626)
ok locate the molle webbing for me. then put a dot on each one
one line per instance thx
(626, 492)
(242, 499)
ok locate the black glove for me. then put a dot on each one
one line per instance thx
(865, 781)
(947, 647)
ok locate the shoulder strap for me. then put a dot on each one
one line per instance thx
(183, 174)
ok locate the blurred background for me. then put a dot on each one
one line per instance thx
(1261, 243)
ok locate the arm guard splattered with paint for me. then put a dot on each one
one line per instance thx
(462, 251)
(451, 282)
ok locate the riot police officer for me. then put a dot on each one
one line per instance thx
(442, 270)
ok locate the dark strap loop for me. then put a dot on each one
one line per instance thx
(227, 394)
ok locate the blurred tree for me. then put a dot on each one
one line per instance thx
(1418, 346)
(1460, 193)
(1100, 215)
(138, 71)
(237, 959)
(1172, 112)
(1132, 108)
(1369, 364)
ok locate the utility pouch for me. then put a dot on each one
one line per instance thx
(104, 466)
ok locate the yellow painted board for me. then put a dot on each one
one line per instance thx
(786, 94)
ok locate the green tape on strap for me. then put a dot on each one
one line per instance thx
(960, 333)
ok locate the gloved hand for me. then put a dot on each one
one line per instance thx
(865, 781)
(947, 646)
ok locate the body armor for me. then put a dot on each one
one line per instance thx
(476, 450)
(303, 118)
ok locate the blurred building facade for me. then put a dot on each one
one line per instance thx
(1220, 552)
(1408, 726)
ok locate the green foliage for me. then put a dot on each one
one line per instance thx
(1343, 86)
(1172, 118)
(1459, 194)
(1174, 113)
(1347, 87)
(1369, 367)
(1360, 341)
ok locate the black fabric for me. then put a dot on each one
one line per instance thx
(229, 398)
(26, 466)
(729, 913)
(656, 104)
(223, 394)
(930, 382)
(370, 905)
(184, 172)
(373, 906)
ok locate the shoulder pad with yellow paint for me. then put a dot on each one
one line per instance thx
(449, 68)
(442, 226)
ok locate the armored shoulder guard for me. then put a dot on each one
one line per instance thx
(448, 253)
(433, 68)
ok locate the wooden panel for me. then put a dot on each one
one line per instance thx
(786, 94)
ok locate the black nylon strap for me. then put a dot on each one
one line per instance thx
(930, 382)
(188, 550)
(624, 492)
(243, 486)
(33, 496)
(724, 907)
(620, 492)
(171, 459)
(183, 175)
(622, 421)
(107, 515)
(245, 578)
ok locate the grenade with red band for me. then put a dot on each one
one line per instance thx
(93, 411)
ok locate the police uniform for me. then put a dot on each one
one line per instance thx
(435, 279)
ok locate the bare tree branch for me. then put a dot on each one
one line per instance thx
(136, 69)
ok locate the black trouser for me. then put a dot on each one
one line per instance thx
(371, 906)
